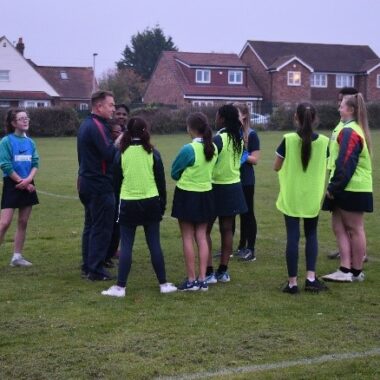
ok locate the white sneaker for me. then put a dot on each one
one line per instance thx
(338, 276)
(211, 279)
(359, 278)
(168, 287)
(114, 291)
(20, 262)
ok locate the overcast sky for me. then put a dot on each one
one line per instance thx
(68, 32)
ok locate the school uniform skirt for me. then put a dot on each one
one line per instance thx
(350, 201)
(193, 206)
(15, 198)
(229, 199)
(140, 212)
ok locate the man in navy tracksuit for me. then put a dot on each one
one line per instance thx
(96, 153)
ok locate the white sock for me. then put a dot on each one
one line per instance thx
(311, 279)
(17, 256)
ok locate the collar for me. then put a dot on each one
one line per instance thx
(348, 121)
(198, 139)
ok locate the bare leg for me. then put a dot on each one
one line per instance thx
(201, 239)
(6, 216)
(209, 242)
(226, 233)
(187, 232)
(22, 223)
(342, 237)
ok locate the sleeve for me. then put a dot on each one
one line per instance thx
(159, 177)
(102, 143)
(6, 157)
(350, 147)
(253, 142)
(280, 151)
(118, 173)
(185, 158)
(35, 157)
(218, 142)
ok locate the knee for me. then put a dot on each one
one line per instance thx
(4, 225)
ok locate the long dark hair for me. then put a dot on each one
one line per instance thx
(11, 117)
(306, 116)
(198, 122)
(232, 124)
(137, 128)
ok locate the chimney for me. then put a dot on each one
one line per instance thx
(20, 46)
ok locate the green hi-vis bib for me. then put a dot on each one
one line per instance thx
(227, 167)
(138, 176)
(198, 176)
(301, 191)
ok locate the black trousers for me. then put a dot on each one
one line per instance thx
(99, 212)
(248, 225)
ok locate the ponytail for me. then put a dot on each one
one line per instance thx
(136, 128)
(198, 122)
(306, 117)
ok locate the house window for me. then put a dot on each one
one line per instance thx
(64, 75)
(83, 106)
(202, 103)
(378, 81)
(294, 78)
(4, 104)
(344, 80)
(235, 77)
(35, 103)
(4, 75)
(318, 80)
(202, 76)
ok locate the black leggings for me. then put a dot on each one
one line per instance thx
(152, 236)
(293, 238)
(248, 225)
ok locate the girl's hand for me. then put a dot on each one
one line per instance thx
(22, 185)
(31, 188)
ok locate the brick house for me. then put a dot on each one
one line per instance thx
(201, 79)
(25, 84)
(288, 72)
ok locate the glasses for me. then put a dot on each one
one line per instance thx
(23, 119)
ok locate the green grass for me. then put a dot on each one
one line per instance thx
(54, 325)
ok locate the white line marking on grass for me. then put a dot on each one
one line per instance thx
(271, 366)
(57, 195)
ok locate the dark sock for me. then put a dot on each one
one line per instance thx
(222, 268)
(356, 272)
(209, 271)
(344, 269)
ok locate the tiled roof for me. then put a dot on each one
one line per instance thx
(209, 59)
(322, 57)
(24, 95)
(78, 84)
(368, 65)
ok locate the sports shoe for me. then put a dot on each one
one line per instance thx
(359, 278)
(168, 287)
(20, 262)
(114, 291)
(222, 277)
(315, 286)
(188, 286)
(334, 255)
(203, 286)
(240, 252)
(99, 277)
(290, 290)
(338, 276)
(248, 255)
(218, 254)
(211, 279)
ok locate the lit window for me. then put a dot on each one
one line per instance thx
(318, 80)
(344, 80)
(294, 78)
(4, 75)
(64, 75)
(235, 77)
(202, 76)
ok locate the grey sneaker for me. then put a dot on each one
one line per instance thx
(359, 278)
(247, 256)
(21, 262)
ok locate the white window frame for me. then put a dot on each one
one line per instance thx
(378, 81)
(63, 75)
(4, 75)
(83, 106)
(233, 77)
(34, 103)
(344, 80)
(291, 81)
(203, 73)
(202, 103)
(5, 104)
(318, 80)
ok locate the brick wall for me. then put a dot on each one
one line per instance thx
(373, 92)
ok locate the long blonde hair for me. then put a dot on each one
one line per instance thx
(360, 114)
(246, 119)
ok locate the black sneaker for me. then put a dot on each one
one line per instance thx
(290, 290)
(334, 255)
(315, 286)
(99, 277)
(248, 255)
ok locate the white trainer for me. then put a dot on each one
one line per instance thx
(338, 276)
(168, 287)
(359, 278)
(20, 262)
(211, 279)
(114, 291)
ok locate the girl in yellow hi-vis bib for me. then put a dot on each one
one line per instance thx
(301, 165)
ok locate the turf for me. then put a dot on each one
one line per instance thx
(54, 325)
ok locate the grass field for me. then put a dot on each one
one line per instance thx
(54, 325)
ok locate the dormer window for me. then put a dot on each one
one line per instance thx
(4, 75)
(64, 75)
(202, 76)
(235, 77)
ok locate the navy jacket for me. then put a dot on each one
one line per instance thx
(96, 154)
